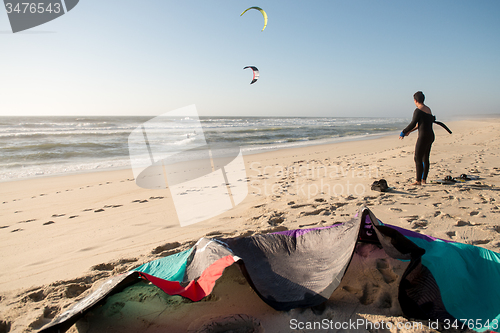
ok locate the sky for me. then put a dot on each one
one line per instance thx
(331, 58)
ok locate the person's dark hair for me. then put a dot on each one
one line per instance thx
(419, 96)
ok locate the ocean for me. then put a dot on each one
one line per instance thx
(43, 146)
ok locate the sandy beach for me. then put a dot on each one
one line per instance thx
(61, 237)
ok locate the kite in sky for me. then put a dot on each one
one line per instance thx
(263, 14)
(255, 73)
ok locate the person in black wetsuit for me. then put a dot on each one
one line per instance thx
(422, 120)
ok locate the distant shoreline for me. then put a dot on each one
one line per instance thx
(249, 150)
(44, 146)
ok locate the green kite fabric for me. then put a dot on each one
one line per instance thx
(172, 268)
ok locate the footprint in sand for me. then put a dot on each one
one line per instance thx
(103, 267)
(74, 290)
(36, 295)
(462, 223)
(273, 229)
(299, 205)
(27, 221)
(214, 233)
(166, 247)
(384, 300)
(313, 212)
(481, 242)
(116, 206)
(233, 323)
(386, 271)
(50, 312)
(419, 224)
(276, 219)
(16, 230)
(49, 222)
(368, 294)
(451, 234)
(410, 218)
(311, 224)
(245, 233)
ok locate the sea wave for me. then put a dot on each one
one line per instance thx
(51, 145)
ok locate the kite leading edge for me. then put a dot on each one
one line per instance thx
(255, 73)
(263, 14)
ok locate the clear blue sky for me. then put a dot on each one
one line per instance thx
(316, 58)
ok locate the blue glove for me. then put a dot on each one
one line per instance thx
(402, 134)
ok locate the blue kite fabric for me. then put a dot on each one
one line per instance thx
(448, 282)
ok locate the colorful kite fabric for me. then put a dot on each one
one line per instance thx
(255, 71)
(444, 280)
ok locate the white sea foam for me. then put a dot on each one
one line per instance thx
(40, 146)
